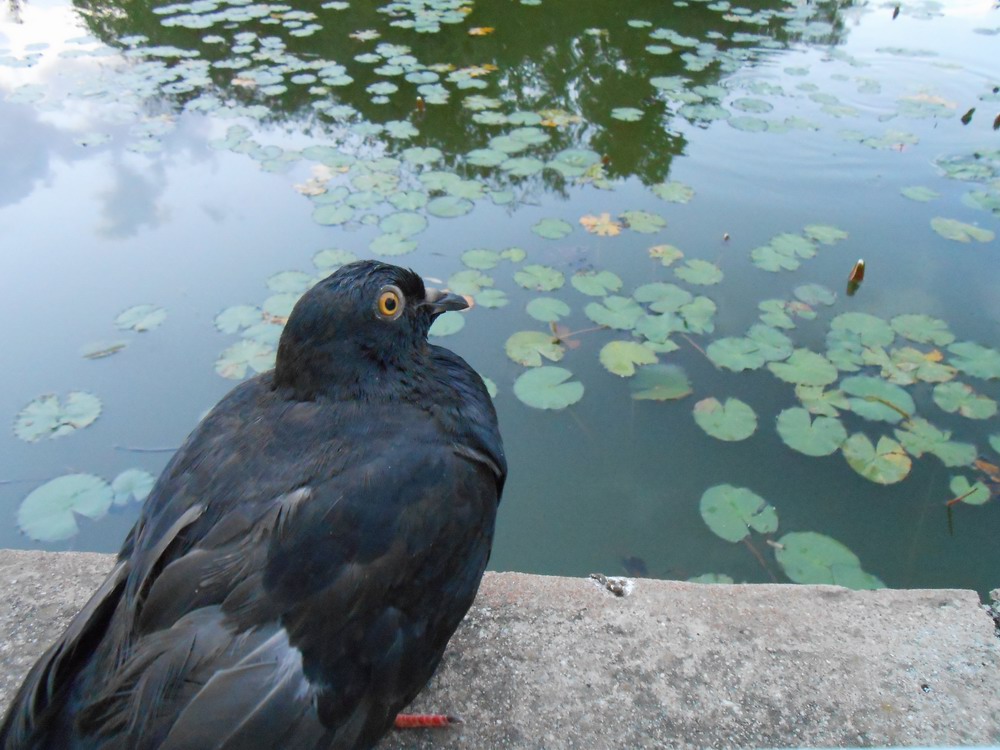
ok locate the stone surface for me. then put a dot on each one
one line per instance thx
(545, 662)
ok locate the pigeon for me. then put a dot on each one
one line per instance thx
(299, 567)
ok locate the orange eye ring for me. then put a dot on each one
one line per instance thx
(390, 303)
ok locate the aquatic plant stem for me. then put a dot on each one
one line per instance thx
(760, 558)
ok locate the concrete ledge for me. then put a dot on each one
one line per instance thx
(545, 662)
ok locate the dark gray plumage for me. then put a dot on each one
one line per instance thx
(299, 567)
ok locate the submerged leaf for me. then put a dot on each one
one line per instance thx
(731, 512)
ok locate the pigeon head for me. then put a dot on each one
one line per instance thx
(352, 328)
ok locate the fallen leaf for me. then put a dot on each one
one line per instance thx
(602, 226)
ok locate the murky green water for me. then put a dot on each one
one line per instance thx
(692, 180)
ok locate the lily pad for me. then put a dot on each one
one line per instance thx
(825, 234)
(731, 512)
(736, 354)
(643, 222)
(815, 294)
(918, 436)
(923, 329)
(731, 421)
(528, 347)
(621, 357)
(816, 400)
(481, 260)
(621, 313)
(867, 329)
(140, 318)
(666, 254)
(809, 557)
(552, 229)
(875, 399)
(403, 223)
(244, 355)
(596, 283)
(884, 463)
(696, 271)
(332, 214)
(819, 437)
(392, 244)
(975, 360)
(673, 192)
(662, 297)
(952, 229)
(491, 298)
(102, 349)
(447, 323)
(627, 114)
(920, 193)
(547, 309)
(548, 387)
(805, 367)
(660, 383)
(449, 206)
(132, 484)
(48, 513)
(469, 282)
(971, 494)
(46, 416)
(539, 278)
(959, 397)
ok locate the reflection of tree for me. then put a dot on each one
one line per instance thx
(579, 57)
(14, 8)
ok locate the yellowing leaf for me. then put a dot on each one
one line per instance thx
(603, 225)
(481, 30)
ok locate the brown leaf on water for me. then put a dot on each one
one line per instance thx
(481, 30)
(602, 226)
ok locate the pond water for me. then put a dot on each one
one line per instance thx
(655, 207)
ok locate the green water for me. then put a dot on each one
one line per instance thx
(188, 156)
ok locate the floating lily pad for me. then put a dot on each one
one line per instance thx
(331, 259)
(392, 244)
(621, 313)
(696, 271)
(875, 399)
(809, 557)
(621, 357)
(923, 329)
(731, 512)
(244, 355)
(48, 513)
(660, 383)
(449, 206)
(673, 192)
(46, 416)
(132, 484)
(596, 283)
(140, 318)
(698, 315)
(952, 229)
(447, 323)
(884, 463)
(971, 494)
(481, 260)
(491, 298)
(548, 387)
(804, 367)
(815, 294)
(770, 258)
(868, 329)
(816, 400)
(290, 281)
(959, 397)
(332, 214)
(662, 297)
(552, 229)
(772, 344)
(731, 421)
(643, 222)
(539, 278)
(920, 193)
(666, 254)
(918, 436)
(819, 437)
(975, 360)
(825, 234)
(627, 114)
(547, 309)
(574, 162)
(403, 223)
(736, 354)
(470, 282)
(102, 349)
(528, 347)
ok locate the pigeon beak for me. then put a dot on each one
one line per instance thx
(439, 301)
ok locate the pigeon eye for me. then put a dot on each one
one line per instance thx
(390, 302)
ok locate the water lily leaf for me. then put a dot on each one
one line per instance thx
(486, 157)
(48, 513)
(403, 223)
(696, 271)
(698, 315)
(596, 283)
(975, 360)
(602, 226)
(522, 166)
(920, 193)
(662, 297)
(736, 354)
(971, 494)
(627, 114)
(392, 244)
(643, 222)
(552, 229)
(875, 399)
(280, 305)
(481, 260)
(815, 294)
(790, 244)
(666, 254)
(332, 214)
(816, 400)
(923, 329)
(825, 234)
(804, 367)
(769, 258)
(868, 329)
(548, 387)
(246, 354)
(574, 162)
(547, 309)
(449, 206)
(660, 383)
(539, 278)
(919, 436)
(290, 281)
(885, 463)
(491, 298)
(514, 254)
(621, 313)
(101, 349)
(731, 421)
(656, 329)
(470, 282)
(528, 347)
(673, 192)
(906, 365)
(330, 260)
(447, 323)
(132, 484)
(422, 156)
(952, 229)
(731, 512)
(621, 357)
(774, 313)
(809, 557)
(960, 397)
(772, 344)
(140, 318)
(819, 437)
(46, 416)
(995, 443)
